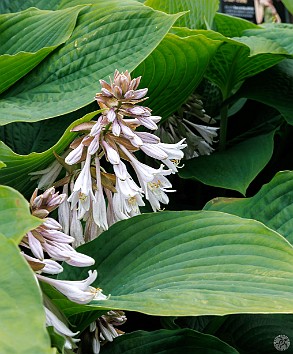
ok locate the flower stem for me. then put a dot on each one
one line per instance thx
(223, 127)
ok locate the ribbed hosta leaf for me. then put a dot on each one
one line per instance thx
(174, 69)
(256, 333)
(15, 216)
(199, 14)
(7, 6)
(248, 333)
(273, 87)
(231, 26)
(272, 205)
(165, 341)
(22, 313)
(233, 62)
(18, 167)
(282, 36)
(234, 168)
(23, 45)
(191, 263)
(109, 35)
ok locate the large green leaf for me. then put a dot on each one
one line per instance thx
(289, 5)
(248, 333)
(15, 216)
(174, 69)
(24, 138)
(191, 263)
(246, 57)
(234, 168)
(256, 333)
(18, 167)
(231, 26)
(199, 14)
(22, 317)
(272, 205)
(273, 87)
(23, 45)
(166, 341)
(282, 36)
(7, 6)
(109, 35)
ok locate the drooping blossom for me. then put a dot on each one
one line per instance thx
(79, 291)
(110, 183)
(47, 242)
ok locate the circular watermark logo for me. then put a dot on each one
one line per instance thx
(281, 342)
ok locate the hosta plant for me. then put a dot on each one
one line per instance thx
(145, 198)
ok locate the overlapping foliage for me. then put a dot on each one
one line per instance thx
(230, 263)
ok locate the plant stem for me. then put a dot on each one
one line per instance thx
(223, 127)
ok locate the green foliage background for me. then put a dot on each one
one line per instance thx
(217, 280)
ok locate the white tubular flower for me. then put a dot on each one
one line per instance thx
(110, 208)
(64, 214)
(64, 252)
(99, 204)
(52, 224)
(51, 267)
(35, 246)
(111, 115)
(55, 235)
(148, 137)
(154, 151)
(208, 133)
(61, 328)
(76, 229)
(116, 128)
(102, 330)
(75, 155)
(78, 291)
(128, 199)
(46, 265)
(174, 154)
(48, 175)
(144, 172)
(156, 191)
(96, 345)
(204, 148)
(94, 145)
(91, 230)
(120, 170)
(96, 129)
(111, 153)
(82, 191)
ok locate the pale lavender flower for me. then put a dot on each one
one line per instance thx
(82, 193)
(102, 330)
(75, 155)
(76, 229)
(127, 199)
(208, 133)
(64, 214)
(79, 291)
(61, 328)
(48, 266)
(48, 175)
(99, 211)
